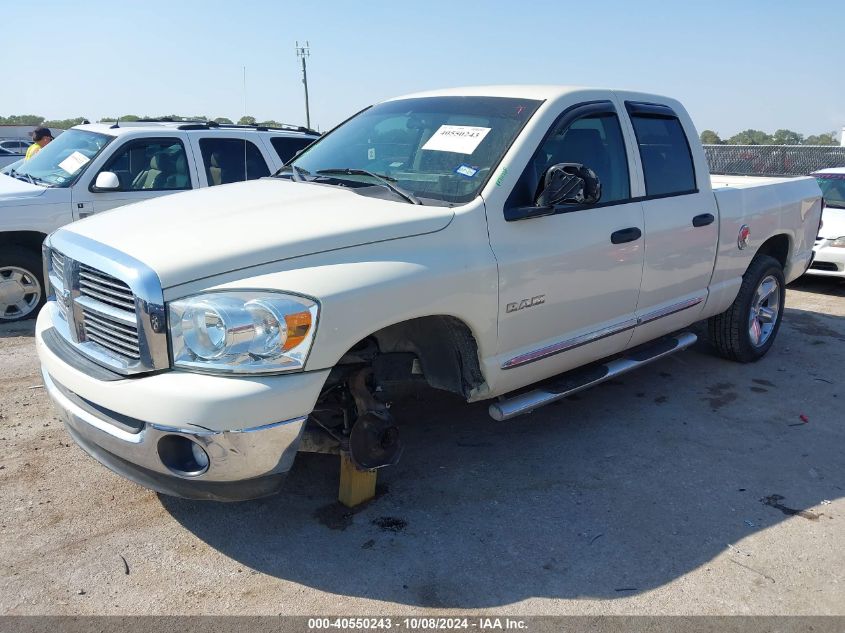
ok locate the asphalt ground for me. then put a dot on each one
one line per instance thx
(693, 486)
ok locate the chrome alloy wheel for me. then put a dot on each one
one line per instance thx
(20, 292)
(765, 308)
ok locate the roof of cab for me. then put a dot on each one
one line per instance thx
(548, 93)
(128, 127)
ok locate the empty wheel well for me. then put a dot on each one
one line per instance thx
(446, 349)
(30, 240)
(776, 246)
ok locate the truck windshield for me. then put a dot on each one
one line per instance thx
(833, 189)
(441, 149)
(62, 161)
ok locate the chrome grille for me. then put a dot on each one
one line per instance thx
(108, 312)
(105, 288)
(56, 281)
(106, 332)
(58, 264)
(118, 324)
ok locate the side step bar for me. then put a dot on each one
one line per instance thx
(583, 378)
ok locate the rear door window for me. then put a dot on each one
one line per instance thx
(229, 160)
(665, 154)
(287, 147)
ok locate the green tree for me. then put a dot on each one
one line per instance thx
(223, 120)
(271, 123)
(826, 138)
(750, 137)
(63, 124)
(21, 119)
(709, 137)
(246, 120)
(787, 137)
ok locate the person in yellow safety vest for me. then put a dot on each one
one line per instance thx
(40, 136)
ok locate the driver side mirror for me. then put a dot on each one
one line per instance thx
(569, 183)
(107, 181)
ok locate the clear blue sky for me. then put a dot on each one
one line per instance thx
(762, 64)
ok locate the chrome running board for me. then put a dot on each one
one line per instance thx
(583, 378)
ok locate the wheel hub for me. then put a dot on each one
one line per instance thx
(20, 292)
(765, 309)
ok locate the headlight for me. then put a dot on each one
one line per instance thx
(245, 332)
(839, 242)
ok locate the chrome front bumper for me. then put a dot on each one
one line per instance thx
(242, 464)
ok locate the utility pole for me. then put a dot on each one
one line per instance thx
(302, 52)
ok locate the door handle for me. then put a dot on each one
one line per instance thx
(703, 220)
(626, 235)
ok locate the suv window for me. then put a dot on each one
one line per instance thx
(665, 153)
(287, 147)
(151, 165)
(231, 160)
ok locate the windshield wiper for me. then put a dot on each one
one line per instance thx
(297, 173)
(25, 177)
(383, 179)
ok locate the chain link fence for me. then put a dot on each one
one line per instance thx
(772, 160)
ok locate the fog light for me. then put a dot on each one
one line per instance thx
(182, 456)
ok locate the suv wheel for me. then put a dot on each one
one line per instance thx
(21, 285)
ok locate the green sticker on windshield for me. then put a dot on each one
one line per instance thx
(501, 177)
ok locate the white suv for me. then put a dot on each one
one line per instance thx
(97, 167)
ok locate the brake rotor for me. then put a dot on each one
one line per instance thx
(374, 441)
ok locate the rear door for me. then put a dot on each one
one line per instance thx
(226, 156)
(569, 280)
(681, 222)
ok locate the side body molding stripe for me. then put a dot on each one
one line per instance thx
(590, 337)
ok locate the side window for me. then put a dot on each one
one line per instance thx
(596, 142)
(231, 160)
(287, 147)
(665, 153)
(151, 165)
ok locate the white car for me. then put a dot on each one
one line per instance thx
(830, 244)
(96, 167)
(12, 149)
(514, 244)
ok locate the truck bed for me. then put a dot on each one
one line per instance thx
(719, 181)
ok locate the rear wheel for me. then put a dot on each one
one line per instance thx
(21, 284)
(745, 331)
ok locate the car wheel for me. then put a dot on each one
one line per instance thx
(21, 285)
(745, 331)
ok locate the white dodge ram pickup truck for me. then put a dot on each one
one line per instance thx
(96, 167)
(514, 244)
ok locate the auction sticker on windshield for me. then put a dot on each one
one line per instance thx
(74, 162)
(460, 139)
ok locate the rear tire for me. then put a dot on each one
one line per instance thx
(745, 331)
(21, 284)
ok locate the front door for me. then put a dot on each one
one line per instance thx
(569, 281)
(146, 168)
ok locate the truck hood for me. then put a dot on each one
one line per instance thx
(202, 233)
(833, 223)
(12, 189)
